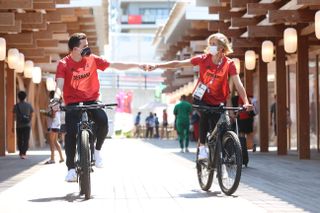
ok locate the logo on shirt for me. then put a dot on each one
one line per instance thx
(81, 76)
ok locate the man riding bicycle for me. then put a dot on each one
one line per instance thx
(77, 81)
(213, 86)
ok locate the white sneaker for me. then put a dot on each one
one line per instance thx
(187, 150)
(224, 171)
(181, 150)
(98, 158)
(71, 176)
(203, 154)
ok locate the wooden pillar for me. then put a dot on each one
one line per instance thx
(10, 102)
(303, 125)
(2, 110)
(263, 106)
(281, 91)
(248, 81)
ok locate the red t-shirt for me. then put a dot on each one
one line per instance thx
(81, 78)
(243, 114)
(215, 77)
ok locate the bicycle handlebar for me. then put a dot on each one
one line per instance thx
(86, 107)
(221, 108)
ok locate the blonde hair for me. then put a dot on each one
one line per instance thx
(222, 42)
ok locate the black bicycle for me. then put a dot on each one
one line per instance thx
(85, 145)
(224, 152)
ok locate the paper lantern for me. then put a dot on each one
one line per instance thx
(51, 84)
(36, 75)
(13, 58)
(20, 66)
(3, 49)
(250, 60)
(267, 51)
(317, 24)
(237, 64)
(28, 68)
(290, 37)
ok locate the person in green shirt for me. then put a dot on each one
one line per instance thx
(182, 111)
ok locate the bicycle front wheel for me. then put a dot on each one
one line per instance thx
(85, 168)
(229, 163)
(204, 171)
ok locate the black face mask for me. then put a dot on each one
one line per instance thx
(85, 51)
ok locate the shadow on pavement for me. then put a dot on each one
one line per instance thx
(11, 164)
(72, 197)
(201, 194)
(284, 178)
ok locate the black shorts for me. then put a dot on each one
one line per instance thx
(63, 128)
(245, 125)
(53, 130)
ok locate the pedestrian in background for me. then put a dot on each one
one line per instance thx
(164, 124)
(156, 123)
(54, 124)
(182, 112)
(273, 114)
(150, 124)
(137, 125)
(23, 115)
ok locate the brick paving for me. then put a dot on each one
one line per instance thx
(153, 176)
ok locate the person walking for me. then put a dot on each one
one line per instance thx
(150, 124)
(165, 124)
(54, 125)
(156, 123)
(77, 80)
(182, 112)
(23, 116)
(137, 125)
(273, 114)
(212, 88)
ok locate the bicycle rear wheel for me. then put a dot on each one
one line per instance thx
(204, 171)
(85, 169)
(229, 163)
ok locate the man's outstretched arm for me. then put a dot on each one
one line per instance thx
(126, 66)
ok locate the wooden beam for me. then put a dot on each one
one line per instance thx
(265, 31)
(45, 59)
(30, 18)
(38, 52)
(2, 110)
(57, 28)
(83, 11)
(308, 29)
(73, 26)
(53, 17)
(86, 19)
(61, 36)
(291, 16)
(41, 26)
(217, 25)
(12, 4)
(228, 15)
(7, 19)
(308, 2)
(194, 32)
(217, 9)
(260, 8)
(16, 28)
(21, 38)
(44, 6)
(87, 27)
(244, 22)
(199, 24)
(233, 32)
(62, 1)
(241, 3)
(47, 43)
(245, 43)
(43, 35)
(66, 11)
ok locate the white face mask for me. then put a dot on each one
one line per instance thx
(213, 50)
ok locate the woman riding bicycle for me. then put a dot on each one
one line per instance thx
(213, 87)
